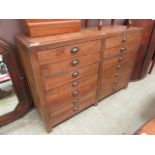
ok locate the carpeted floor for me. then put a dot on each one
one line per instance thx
(121, 113)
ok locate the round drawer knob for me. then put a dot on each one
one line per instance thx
(74, 50)
(114, 88)
(116, 75)
(75, 74)
(122, 49)
(75, 93)
(75, 109)
(75, 83)
(75, 62)
(119, 67)
(120, 59)
(75, 101)
(115, 81)
(124, 39)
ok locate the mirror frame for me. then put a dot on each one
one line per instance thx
(11, 59)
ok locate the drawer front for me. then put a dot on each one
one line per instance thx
(109, 67)
(69, 64)
(68, 93)
(58, 54)
(70, 110)
(120, 62)
(106, 87)
(123, 74)
(115, 73)
(114, 51)
(121, 40)
(122, 82)
(76, 74)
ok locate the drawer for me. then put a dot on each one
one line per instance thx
(59, 54)
(122, 83)
(122, 40)
(126, 61)
(106, 87)
(114, 51)
(69, 109)
(109, 67)
(58, 97)
(117, 63)
(76, 74)
(115, 73)
(69, 64)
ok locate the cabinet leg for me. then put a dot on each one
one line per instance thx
(49, 129)
(96, 103)
(151, 67)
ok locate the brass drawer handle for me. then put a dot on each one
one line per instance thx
(75, 109)
(75, 74)
(74, 50)
(75, 62)
(122, 49)
(124, 39)
(75, 93)
(75, 101)
(75, 83)
(120, 59)
(119, 67)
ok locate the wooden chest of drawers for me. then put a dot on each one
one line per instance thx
(68, 73)
(118, 58)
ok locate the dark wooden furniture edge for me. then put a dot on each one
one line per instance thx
(138, 131)
(20, 85)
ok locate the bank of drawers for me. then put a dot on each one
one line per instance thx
(68, 100)
(69, 76)
(117, 62)
(68, 73)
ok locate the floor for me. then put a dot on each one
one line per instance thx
(9, 103)
(121, 113)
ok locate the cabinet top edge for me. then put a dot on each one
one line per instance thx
(84, 35)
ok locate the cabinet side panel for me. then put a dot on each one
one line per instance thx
(26, 62)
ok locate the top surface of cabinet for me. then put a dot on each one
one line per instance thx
(71, 38)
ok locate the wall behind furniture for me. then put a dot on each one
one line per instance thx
(106, 22)
(10, 27)
(144, 55)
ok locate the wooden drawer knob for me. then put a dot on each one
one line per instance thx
(75, 74)
(75, 83)
(75, 109)
(75, 62)
(122, 49)
(124, 39)
(119, 67)
(114, 88)
(115, 81)
(75, 101)
(120, 58)
(74, 50)
(116, 75)
(75, 93)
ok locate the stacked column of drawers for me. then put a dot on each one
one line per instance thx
(117, 62)
(70, 76)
